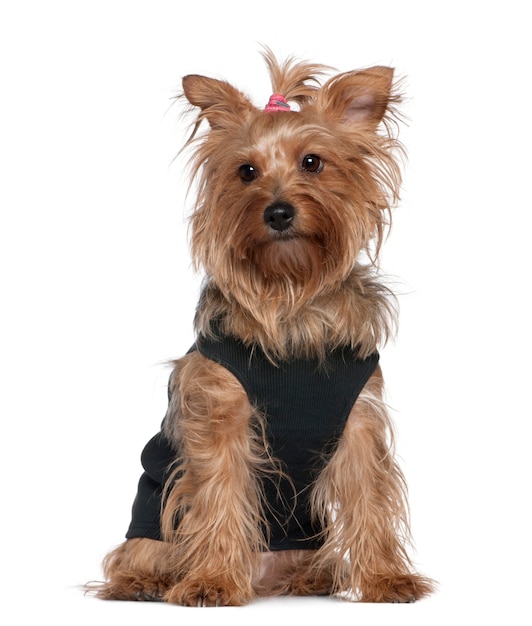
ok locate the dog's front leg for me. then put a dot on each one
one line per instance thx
(360, 498)
(213, 514)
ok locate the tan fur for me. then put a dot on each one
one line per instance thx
(217, 500)
(360, 499)
(299, 292)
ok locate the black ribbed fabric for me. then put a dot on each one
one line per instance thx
(306, 406)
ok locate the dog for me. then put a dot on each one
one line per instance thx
(274, 470)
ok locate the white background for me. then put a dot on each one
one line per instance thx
(97, 290)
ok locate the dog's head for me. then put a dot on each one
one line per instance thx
(290, 198)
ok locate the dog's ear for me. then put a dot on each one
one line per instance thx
(219, 101)
(359, 98)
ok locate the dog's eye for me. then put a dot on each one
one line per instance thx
(312, 163)
(247, 173)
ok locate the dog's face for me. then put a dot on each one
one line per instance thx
(291, 197)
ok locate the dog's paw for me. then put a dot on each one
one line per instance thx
(202, 593)
(397, 589)
(130, 588)
(144, 596)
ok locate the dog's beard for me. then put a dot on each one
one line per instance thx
(296, 259)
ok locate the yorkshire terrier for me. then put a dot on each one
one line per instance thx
(274, 469)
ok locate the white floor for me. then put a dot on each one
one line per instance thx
(450, 606)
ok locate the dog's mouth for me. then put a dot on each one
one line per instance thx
(286, 235)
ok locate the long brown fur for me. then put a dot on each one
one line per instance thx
(299, 294)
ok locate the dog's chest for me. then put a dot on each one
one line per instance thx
(305, 403)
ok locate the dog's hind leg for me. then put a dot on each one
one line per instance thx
(293, 572)
(138, 569)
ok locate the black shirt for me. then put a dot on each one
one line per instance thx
(306, 405)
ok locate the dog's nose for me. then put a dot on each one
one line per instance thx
(279, 215)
